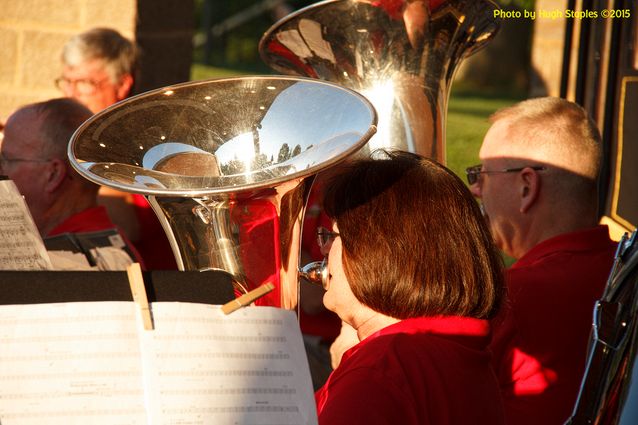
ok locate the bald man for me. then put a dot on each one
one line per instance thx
(34, 157)
(33, 154)
(538, 187)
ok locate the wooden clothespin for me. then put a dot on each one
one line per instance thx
(136, 281)
(247, 298)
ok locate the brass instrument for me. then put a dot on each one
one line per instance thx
(400, 54)
(609, 389)
(227, 165)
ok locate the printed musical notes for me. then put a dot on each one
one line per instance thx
(80, 363)
(21, 247)
(70, 363)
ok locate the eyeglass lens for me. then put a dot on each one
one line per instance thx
(325, 237)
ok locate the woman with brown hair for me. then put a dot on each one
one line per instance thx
(412, 268)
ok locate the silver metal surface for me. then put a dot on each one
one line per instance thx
(316, 272)
(227, 165)
(400, 54)
(609, 390)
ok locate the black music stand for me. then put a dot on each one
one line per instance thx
(37, 287)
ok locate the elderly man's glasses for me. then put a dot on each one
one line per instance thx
(325, 238)
(81, 85)
(474, 173)
(4, 161)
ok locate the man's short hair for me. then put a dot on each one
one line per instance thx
(118, 53)
(551, 128)
(414, 240)
(60, 118)
(560, 135)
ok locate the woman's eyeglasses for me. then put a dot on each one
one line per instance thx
(325, 238)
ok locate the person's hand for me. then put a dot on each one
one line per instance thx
(347, 339)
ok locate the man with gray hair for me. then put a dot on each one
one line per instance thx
(538, 187)
(98, 68)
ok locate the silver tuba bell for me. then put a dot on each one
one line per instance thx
(227, 165)
(400, 54)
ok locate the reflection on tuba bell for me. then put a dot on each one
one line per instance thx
(227, 165)
(401, 54)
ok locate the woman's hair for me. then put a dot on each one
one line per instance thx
(414, 240)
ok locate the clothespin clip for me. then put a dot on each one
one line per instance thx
(136, 281)
(247, 298)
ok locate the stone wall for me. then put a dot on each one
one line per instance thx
(32, 33)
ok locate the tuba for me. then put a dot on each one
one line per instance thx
(227, 166)
(400, 54)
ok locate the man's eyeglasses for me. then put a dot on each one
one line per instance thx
(325, 238)
(82, 85)
(4, 162)
(474, 173)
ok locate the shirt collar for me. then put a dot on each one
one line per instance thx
(442, 325)
(580, 240)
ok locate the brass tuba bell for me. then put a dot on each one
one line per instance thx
(400, 54)
(227, 166)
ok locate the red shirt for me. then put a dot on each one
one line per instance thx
(153, 244)
(540, 339)
(421, 371)
(92, 220)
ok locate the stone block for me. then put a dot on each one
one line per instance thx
(47, 12)
(8, 64)
(12, 100)
(116, 14)
(41, 59)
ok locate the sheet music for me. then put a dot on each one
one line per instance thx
(248, 367)
(76, 363)
(198, 366)
(21, 247)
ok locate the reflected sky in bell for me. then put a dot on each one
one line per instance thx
(300, 125)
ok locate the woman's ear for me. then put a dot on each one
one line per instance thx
(56, 173)
(529, 188)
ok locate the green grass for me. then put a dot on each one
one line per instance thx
(467, 122)
(203, 72)
(468, 111)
